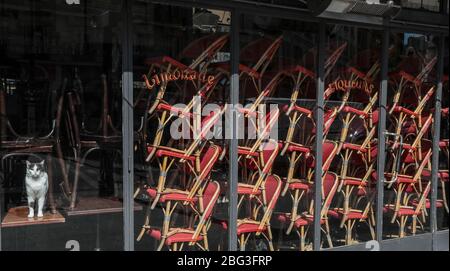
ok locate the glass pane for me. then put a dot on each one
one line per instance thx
(276, 158)
(443, 190)
(352, 87)
(60, 104)
(181, 88)
(412, 77)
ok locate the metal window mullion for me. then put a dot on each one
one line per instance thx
(436, 136)
(127, 127)
(318, 144)
(381, 159)
(233, 148)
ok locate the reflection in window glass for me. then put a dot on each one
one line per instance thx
(412, 77)
(181, 72)
(60, 144)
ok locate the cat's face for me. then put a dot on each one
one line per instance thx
(34, 170)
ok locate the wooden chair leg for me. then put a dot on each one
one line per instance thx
(372, 230)
(444, 197)
(51, 200)
(295, 203)
(242, 242)
(73, 198)
(64, 173)
(414, 224)
(327, 233)
(269, 238)
(401, 233)
(302, 238)
(146, 225)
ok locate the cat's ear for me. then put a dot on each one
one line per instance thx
(28, 163)
(42, 163)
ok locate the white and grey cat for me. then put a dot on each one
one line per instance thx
(36, 181)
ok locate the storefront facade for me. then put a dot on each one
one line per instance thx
(223, 125)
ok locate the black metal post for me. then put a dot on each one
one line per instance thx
(127, 127)
(381, 159)
(233, 151)
(436, 136)
(318, 144)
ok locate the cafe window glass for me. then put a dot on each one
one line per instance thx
(410, 106)
(60, 140)
(181, 90)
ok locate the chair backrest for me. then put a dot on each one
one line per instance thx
(411, 156)
(208, 161)
(272, 189)
(329, 187)
(210, 196)
(329, 151)
(209, 199)
(269, 153)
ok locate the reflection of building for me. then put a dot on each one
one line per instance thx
(73, 91)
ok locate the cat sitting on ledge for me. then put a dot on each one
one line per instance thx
(36, 182)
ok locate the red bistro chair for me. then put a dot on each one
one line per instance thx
(197, 232)
(259, 222)
(262, 166)
(188, 193)
(299, 187)
(303, 221)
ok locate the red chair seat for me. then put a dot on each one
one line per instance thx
(354, 147)
(400, 178)
(302, 110)
(171, 195)
(180, 237)
(349, 109)
(295, 147)
(244, 151)
(300, 221)
(352, 214)
(298, 184)
(249, 227)
(247, 190)
(163, 106)
(399, 109)
(403, 211)
(439, 203)
(443, 175)
(354, 181)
